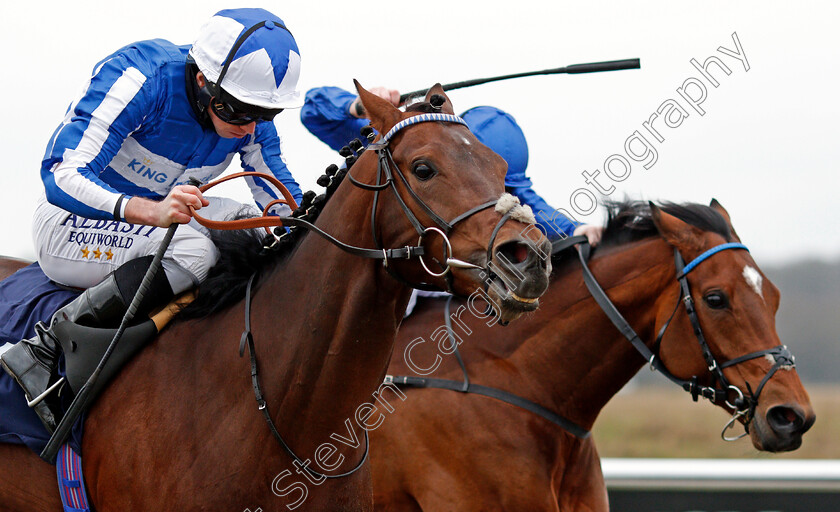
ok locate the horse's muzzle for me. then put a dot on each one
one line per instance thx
(781, 428)
(521, 277)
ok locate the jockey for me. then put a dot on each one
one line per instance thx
(152, 116)
(335, 116)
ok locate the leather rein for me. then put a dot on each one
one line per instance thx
(720, 390)
(466, 386)
(743, 406)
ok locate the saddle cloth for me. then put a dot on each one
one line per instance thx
(27, 297)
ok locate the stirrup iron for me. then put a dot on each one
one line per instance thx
(38, 399)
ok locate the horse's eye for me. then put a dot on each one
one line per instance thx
(716, 299)
(423, 171)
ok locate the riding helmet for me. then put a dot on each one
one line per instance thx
(263, 71)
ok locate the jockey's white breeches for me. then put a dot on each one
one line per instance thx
(79, 252)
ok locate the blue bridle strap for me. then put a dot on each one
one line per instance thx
(714, 250)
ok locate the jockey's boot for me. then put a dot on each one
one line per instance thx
(33, 362)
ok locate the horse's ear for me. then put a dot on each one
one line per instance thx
(681, 235)
(716, 206)
(383, 116)
(446, 106)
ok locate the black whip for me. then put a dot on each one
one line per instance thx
(574, 69)
(81, 401)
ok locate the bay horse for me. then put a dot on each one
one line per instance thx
(179, 428)
(447, 450)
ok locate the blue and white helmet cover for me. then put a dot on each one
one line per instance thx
(265, 70)
(498, 130)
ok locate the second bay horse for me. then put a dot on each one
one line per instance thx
(456, 451)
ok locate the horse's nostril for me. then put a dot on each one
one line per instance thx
(515, 252)
(785, 419)
(521, 252)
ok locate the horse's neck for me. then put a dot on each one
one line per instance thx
(338, 330)
(576, 359)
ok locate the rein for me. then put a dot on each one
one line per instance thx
(248, 338)
(743, 406)
(267, 221)
(467, 387)
(499, 394)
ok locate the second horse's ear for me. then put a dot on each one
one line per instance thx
(716, 206)
(383, 116)
(676, 232)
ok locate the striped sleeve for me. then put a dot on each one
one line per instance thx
(111, 107)
(262, 153)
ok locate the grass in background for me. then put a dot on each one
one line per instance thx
(653, 421)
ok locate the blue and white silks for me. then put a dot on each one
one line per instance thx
(133, 131)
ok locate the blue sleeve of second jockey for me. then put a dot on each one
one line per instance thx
(553, 222)
(325, 115)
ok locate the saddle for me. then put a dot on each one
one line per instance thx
(28, 297)
(84, 346)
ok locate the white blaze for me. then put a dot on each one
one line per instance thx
(753, 279)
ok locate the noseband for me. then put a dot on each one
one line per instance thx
(720, 390)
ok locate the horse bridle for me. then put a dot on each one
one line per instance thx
(719, 392)
(741, 405)
(387, 168)
(443, 228)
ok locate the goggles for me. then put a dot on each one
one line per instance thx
(232, 111)
(227, 113)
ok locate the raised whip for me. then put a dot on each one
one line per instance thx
(574, 69)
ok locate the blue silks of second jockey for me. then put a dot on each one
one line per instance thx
(326, 114)
(499, 131)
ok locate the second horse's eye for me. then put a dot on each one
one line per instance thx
(716, 299)
(423, 171)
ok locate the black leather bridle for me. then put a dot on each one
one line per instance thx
(720, 391)
(387, 168)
